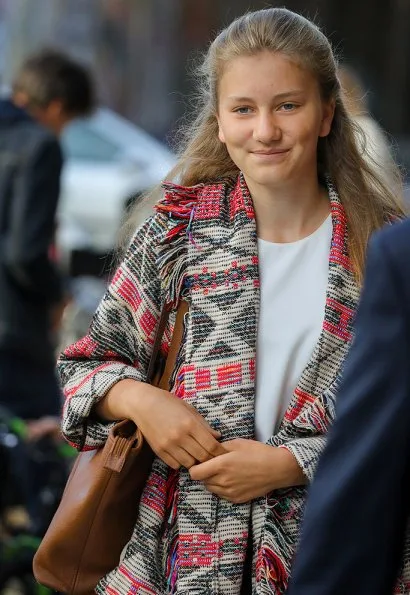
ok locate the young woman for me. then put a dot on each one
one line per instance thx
(266, 239)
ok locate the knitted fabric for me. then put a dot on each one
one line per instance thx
(202, 244)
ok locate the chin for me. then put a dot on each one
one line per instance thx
(270, 179)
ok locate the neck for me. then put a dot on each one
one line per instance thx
(290, 212)
(59, 126)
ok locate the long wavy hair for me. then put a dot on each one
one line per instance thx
(367, 200)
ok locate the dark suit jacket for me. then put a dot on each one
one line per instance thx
(30, 167)
(358, 504)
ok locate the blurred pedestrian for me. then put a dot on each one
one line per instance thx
(355, 537)
(49, 90)
(265, 236)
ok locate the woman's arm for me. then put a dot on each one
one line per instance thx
(105, 374)
(176, 432)
(306, 452)
(119, 342)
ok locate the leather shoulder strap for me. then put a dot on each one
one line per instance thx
(175, 344)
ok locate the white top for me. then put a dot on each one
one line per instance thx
(294, 279)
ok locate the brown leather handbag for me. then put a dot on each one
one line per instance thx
(99, 506)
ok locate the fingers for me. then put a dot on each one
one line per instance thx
(215, 489)
(237, 444)
(232, 495)
(197, 437)
(176, 458)
(188, 453)
(180, 435)
(196, 450)
(206, 471)
(184, 458)
(169, 460)
(208, 442)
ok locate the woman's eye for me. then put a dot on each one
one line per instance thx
(242, 110)
(288, 107)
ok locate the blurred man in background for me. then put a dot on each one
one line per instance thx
(48, 92)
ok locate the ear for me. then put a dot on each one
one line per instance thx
(55, 108)
(327, 119)
(221, 135)
(20, 98)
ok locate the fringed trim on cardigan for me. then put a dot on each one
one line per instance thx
(273, 563)
(179, 204)
(170, 562)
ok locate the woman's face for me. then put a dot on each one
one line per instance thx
(270, 116)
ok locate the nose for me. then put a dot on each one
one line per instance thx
(266, 128)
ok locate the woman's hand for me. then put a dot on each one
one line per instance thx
(176, 432)
(249, 470)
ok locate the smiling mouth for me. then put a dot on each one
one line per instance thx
(273, 152)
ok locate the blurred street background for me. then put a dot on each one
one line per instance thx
(139, 49)
(142, 54)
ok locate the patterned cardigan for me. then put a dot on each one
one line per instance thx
(202, 245)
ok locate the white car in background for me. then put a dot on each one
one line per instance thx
(109, 162)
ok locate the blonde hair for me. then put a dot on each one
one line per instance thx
(368, 202)
(353, 91)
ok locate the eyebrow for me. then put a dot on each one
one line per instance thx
(278, 97)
